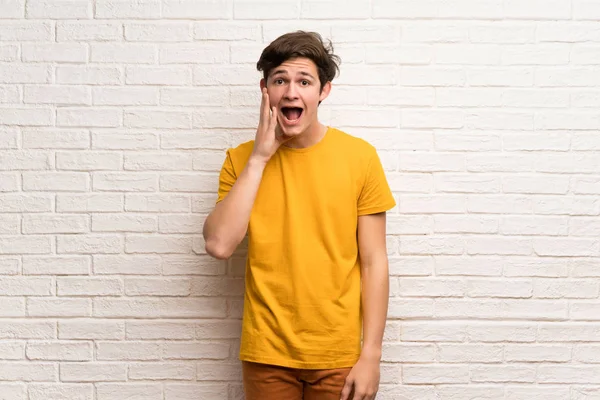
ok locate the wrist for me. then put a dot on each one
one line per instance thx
(371, 352)
(257, 162)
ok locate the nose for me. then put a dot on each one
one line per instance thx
(291, 92)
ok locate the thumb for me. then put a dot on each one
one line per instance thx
(347, 388)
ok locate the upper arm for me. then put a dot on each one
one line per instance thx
(372, 238)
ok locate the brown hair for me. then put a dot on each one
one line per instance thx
(301, 44)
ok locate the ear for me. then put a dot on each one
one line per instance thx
(325, 91)
(263, 84)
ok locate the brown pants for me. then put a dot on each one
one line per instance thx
(270, 382)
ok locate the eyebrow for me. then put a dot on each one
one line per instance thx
(282, 71)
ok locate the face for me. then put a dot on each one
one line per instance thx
(294, 88)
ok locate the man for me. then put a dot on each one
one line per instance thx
(312, 200)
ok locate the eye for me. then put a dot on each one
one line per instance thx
(279, 81)
(305, 83)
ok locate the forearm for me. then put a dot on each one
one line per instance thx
(375, 293)
(227, 224)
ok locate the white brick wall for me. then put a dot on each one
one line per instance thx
(114, 118)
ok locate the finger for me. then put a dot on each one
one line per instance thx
(345, 395)
(273, 122)
(264, 106)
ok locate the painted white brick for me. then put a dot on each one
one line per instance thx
(89, 244)
(73, 391)
(59, 95)
(93, 372)
(194, 54)
(197, 9)
(438, 374)
(508, 373)
(124, 96)
(157, 119)
(172, 75)
(158, 32)
(83, 329)
(21, 371)
(135, 265)
(79, 75)
(124, 140)
(48, 224)
(26, 31)
(61, 9)
(88, 286)
(183, 96)
(59, 351)
(227, 30)
(69, 265)
(129, 53)
(88, 31)
(56, 181)
(89, 117)
(12, 9)
(9, 53)
(61, 53)
(40, 307)
(27, 116)
(123, 223)
(105, 202)
(123, 9)
(114, 181)
(117, 391)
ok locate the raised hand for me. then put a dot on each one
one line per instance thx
(268, 135)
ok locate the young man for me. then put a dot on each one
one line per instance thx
(312, 200)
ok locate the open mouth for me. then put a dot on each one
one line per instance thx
(292, 114)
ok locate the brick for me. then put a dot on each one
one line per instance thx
(159, 330)
(219, 372)
(8, 94)
(89, 244)
(454, 265)
(8, 53)
(497, 332)
(136, 182)
(157, 119)
(172, 75)
(523, 225)
(504, 288)
(28, 329)
(26, 31)
(172, 370)
(10, 224)
(181, 96)
(25, 160)
(123, 53)
(84, 329)
(59, 351)
(85, 203)
(158, 32)
(129, 391)
(123, 223)
(73, 265)
(9, 182)
(158, 244)
(122, 9)
(227, 30)
(197, 9)
(68, 286)
(157, 203)
(14, 391)
(31, 372)
(25, 203)
(123, 351)
(225, 75)
(56, 181)
(88, 31)
(583, 374)
(48, 224)
(86, 117)
(61, 9)
(52, 307)
(93, 372)
(126, 265)
(88, 161)
(124, 140)
(196, 351)
(27, 116)
(553, 10)
(434, 374)
(59, 95)
(25, 245)
(12, 9)
(80, 75)
(60, 391)
(160, 308)
(124, 96)
(194, 54)
(9, 266)
(185, 182)
(508, 373)
(60, 52)
(180, 391)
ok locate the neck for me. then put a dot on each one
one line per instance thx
(311, 136)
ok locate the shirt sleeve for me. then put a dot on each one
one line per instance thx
(227, 177)
(376, 195)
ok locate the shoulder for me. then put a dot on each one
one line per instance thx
(354, 146)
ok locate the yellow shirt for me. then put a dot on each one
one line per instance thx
(302, 298)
